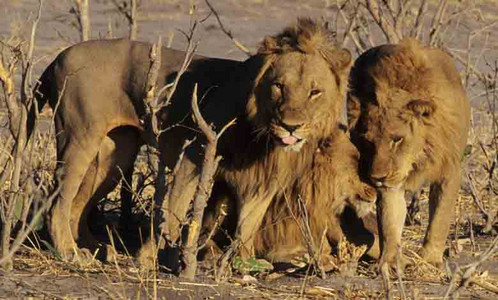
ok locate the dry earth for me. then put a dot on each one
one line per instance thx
(38, 274)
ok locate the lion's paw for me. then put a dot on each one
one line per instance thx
(364, 202)
(434, 257)
(81, 256)
(147, 256)
(368, 193)
(394, 265)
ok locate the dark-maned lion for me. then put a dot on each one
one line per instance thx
(293, 104)
(97, 89)
(410, 119)
(326, 189)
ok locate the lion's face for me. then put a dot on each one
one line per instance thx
(393, 136)
(299, 99)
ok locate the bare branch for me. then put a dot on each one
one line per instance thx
(81, 11)
(466, 272)
(129, 11)
(228, 32)
(384, 24)
(203, 191)
(437, 22)
(419, 20)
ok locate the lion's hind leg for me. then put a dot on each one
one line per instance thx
(76, 157)
(115, 158)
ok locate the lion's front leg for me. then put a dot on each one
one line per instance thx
(442, 199)
(391, 213)
(182, 191)
(251, 213)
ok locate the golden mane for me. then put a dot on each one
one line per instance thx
(408, 102)
(408, 69)
(324, 191)
(306, 36)
(300, 60)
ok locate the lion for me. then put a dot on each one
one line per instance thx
(293, 103)
(409, 116)
(325, 191)
(96, 90)
(286, 99)
(330, 194)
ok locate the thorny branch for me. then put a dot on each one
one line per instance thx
(228, 32)
(466, 272)
(303, 222)
(81, 12)
(129, 11)
(18, 124)
(203, 192)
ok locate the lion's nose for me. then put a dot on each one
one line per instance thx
(290, 128)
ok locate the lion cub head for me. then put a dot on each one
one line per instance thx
(299, 91)
(390, 104)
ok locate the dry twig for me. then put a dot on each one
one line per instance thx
(203, 192)
(466, 272)
(129, 11)
(228, 32)
(81, 12)
(18, 125)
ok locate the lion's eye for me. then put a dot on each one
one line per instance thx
(314, 94)
(278, 85)
(397, 139)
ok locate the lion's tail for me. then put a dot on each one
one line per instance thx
(42, 94)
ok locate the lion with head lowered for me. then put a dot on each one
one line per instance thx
(409, 116)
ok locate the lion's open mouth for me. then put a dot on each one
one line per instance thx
(290, 142)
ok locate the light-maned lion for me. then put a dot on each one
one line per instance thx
(325, 190)
(410, 118)
(293, 104)
(96, 89)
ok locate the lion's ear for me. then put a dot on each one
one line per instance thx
(353, 110)
(340, 60)
(421, 108)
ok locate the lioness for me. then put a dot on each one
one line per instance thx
(96, 89)
(326, 190)
(409, 117)
(293, 103)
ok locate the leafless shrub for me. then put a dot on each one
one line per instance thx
(464, 274)
(22, 187)
(81, 11)
(303, 222)
(129, 10)
(203, 192)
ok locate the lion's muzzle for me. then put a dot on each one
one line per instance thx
(288, 135)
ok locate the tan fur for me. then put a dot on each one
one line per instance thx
(324, 190)
(100, 86)
(97, 89)
(257, 165)
(410, 118)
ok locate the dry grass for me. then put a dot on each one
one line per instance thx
(123, 279)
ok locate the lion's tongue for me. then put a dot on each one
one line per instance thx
(289, 140)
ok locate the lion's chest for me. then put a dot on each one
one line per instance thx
(266, 177)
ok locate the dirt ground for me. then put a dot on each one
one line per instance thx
(38, 274)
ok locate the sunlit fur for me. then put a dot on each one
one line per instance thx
(410, 92)
(410, 118)
(300, 61)
(256, 165)
(325, 190)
